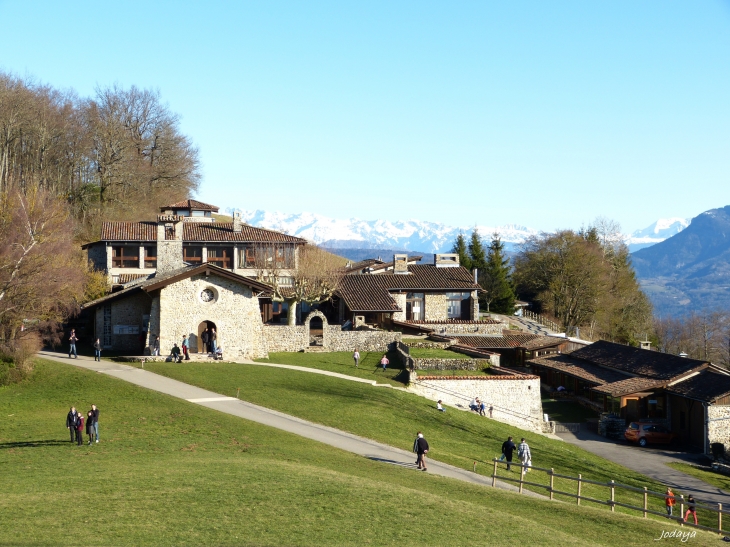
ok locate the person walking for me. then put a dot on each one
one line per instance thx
(156, 346)
(491, 410)
(90, 426)
(185, 347)
(71, 423)
(669, 501)
(384, 361)
(356, 357)
(205, 337)
(80, 429)
(420, 447)
(97, 350)
(507, 448)
(482, 408)
(95, 411)
(72, 344)
(691, 509)
(213, 341)
(523, 453)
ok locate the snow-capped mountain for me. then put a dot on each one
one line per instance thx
(418, 235)
(662, 229)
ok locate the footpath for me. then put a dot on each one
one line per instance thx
(236, 407)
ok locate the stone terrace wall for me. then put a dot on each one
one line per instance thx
(515, 399)
(718, 429)
(464, 327)
(433, 363)
(282, 338)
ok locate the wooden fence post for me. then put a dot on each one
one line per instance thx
(579, 481)
(552, 481)
(646, 501)
(613, 494)
(522, 476)
(719, 517)
(494, 475)
(681, 510)
(475, 467)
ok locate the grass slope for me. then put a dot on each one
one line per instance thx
(710, 477)
(393, 417)
(168, 472)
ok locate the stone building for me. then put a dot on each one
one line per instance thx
(183, 301)
(381, 293)
(690, 396)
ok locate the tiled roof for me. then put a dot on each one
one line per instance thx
(194, 231)
(191, 204)
(457, 322)
(706, 386)
(527, 341)
(121, 279)
(579, 369)
(629, 385)
(642, 362)
(371, 292)
(362, 264)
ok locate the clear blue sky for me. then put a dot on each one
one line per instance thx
(546, 114)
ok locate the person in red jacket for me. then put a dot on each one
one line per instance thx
(80, 429)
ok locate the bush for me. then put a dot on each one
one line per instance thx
(16, 359)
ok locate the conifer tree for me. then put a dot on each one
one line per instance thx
(499, 293)
(476, 251)
(461, 249)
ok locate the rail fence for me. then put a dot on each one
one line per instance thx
(611, 502)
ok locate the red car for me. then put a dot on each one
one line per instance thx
(644, 434)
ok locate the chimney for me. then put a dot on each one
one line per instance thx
(450, 260)
(237, 222)
(169, 243)
(400, 264)
(475, 271)
(645, 344)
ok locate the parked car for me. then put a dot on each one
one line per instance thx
(644, 434)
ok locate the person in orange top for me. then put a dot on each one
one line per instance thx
(669, 500)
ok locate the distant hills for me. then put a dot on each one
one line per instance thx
(690, 270)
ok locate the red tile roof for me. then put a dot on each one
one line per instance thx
(629, 385)
(194, 231)
(578, 369)
(191, 204)
(526, 341)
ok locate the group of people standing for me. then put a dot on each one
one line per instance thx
(209, 338)
(76, 422)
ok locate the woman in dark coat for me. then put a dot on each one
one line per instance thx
(90, 425)
(80, 429)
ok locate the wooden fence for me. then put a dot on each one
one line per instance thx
(611, 502)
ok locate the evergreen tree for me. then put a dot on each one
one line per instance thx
(460, 249)
(476, 252)
(499, 293)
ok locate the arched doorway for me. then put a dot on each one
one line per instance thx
(316, 329)
(205, 325)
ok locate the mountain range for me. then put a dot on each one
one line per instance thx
(418, 235)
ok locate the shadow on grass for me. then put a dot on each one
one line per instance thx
(392, 462)
(25, 444)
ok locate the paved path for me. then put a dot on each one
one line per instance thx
(230, 405)
(650, 462)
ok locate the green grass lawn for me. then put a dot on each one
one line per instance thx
(710, 477)
(168, 472)
(436, 353)
(560, 410)
(342, 362)
(393, 417)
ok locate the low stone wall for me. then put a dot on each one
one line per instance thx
(463, 327)
(285, 338)
(514, 399)
(428, 345)
(718, 426)
(432, 363)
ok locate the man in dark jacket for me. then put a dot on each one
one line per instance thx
(205, 337)
(507, 448)
(95, 411)
(420, 447)
(71, 422)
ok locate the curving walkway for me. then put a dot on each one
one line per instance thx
(230, 405)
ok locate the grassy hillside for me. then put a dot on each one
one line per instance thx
(168, 472)
(393, 417)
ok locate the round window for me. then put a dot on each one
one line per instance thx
(207, 295)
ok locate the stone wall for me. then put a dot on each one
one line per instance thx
(400, 300)
(466, 327)
(169, 256)
(129, 311)
(436, 307)
(234, 310)
(515, 399)
(450, 364)
(284, 338)
(718, 427)
(96, 255)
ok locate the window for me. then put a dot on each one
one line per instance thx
(265, 256)
(193, 254)
(125, 257)
(246, 257)
(221, 257)
(458, 305)
(414, 306)
(182, 213)
(150, 256)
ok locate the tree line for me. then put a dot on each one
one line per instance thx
(68, 163)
